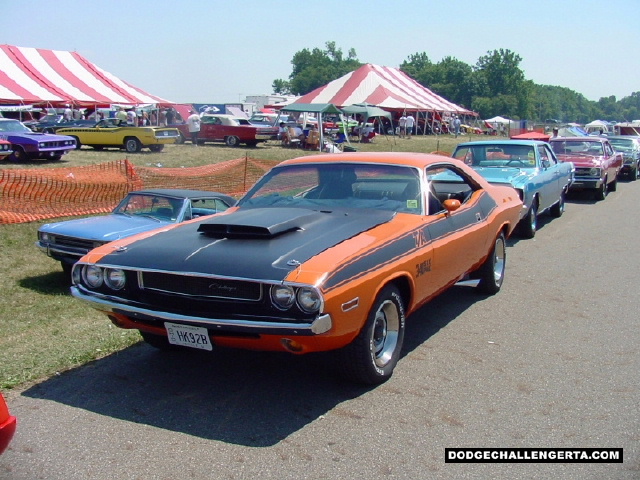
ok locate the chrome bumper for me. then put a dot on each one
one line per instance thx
(104, 304)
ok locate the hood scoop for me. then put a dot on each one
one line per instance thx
(259, 223)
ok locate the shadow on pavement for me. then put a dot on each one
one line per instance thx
(234, 396)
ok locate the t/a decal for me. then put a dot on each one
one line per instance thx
(421, 237)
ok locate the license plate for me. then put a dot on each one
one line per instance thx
(188, 336)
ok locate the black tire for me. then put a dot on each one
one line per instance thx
(78, 142)
(232, 141)
(528, 225)
(613, 186)
(132, 145)
(158, 341)
(491, 273)
(633, 175)
(601, 193)
(66, 268)
(371, 357)
(557, 209)
(252, 143)
(56, 157)
(18, 154)
(180, 140)
(156, 148)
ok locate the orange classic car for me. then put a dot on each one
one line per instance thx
(324, 253)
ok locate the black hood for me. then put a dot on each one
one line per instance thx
(260, 243)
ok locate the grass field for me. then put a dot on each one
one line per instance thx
(43, 330)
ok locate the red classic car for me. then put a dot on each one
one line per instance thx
(596, 161)
(7, 425)
(220, 127)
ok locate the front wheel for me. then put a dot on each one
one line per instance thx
(529, 224)
(601, 193)
(18, 155)
(78, 143)
(232, 141)
(613, 186)
(132, 145)
(371, 357)
(491, 273)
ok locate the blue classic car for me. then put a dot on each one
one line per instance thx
(139, 211)
(531, 167)
(26, 144)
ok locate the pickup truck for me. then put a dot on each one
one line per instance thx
(114, 133)
(220, 127)
(597, 163)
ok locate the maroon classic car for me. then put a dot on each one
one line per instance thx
(597, 163)
(220, 127)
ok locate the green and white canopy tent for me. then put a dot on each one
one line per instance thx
(318, 108)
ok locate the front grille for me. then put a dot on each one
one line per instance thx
(73, 242)
(584, 172)
(207, 287)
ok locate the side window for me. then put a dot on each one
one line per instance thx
(446, 182)
(608, 150)
(546, 156)
(206, 206)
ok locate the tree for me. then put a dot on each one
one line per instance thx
(315, 68)
(281, 87)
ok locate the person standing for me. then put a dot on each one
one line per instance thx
(402, 125)
(121, 115)
(456, 125)
(409, 124)
(193, 122)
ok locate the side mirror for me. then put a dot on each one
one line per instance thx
(451, 204)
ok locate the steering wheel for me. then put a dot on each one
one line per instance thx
(519, 162)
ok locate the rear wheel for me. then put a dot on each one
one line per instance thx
(491, 273)
(132, 145)
(371, 357)
(613, 186)
(558, 208)
(156, 148)
(232, 141)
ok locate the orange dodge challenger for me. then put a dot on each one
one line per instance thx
(324, 253)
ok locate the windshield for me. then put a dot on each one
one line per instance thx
(13, 126)
(339, 185)
(497, 155)
(156, 206)
(577, 147)
(622, 144)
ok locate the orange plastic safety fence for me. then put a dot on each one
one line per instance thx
(37, 194)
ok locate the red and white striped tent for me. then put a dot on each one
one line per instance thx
(38, 76)
(386, 87)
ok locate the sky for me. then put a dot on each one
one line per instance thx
(211, 51)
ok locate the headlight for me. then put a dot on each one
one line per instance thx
(282, 296)
(114, 278)
(93, 276)
(595, 172)
(309, 299)
(44, 236)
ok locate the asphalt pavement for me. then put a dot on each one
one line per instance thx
(550, 361)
